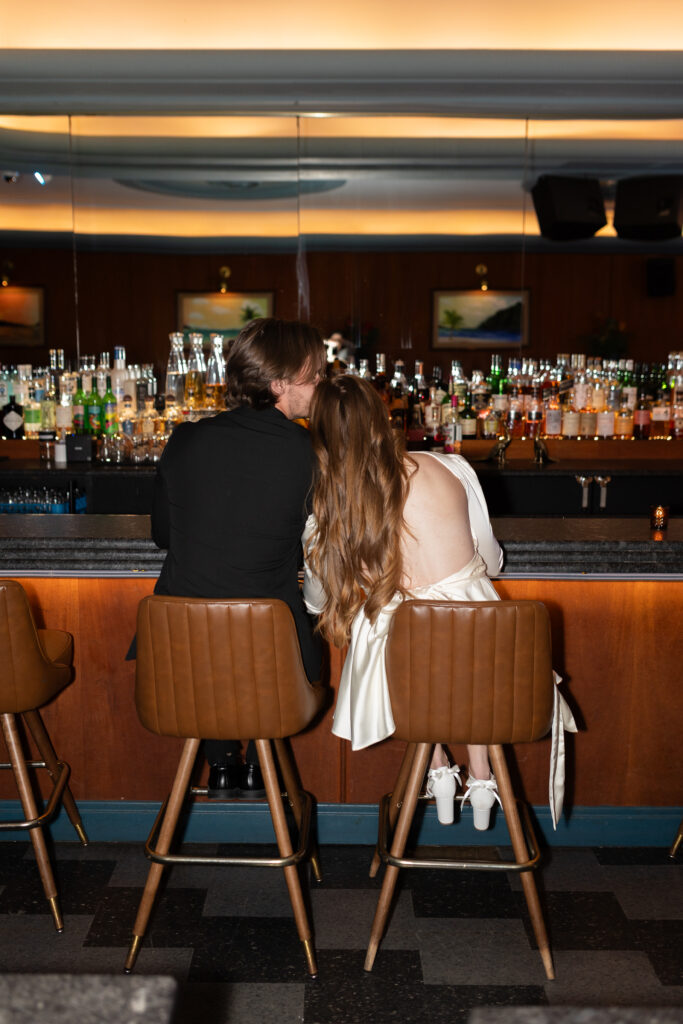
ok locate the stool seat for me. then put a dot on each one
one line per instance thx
(225, 670)
(36, 666)
(475, 672)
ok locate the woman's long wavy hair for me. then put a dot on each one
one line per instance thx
(358, 498)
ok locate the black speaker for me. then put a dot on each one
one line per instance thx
(568, 208)
(649, 209)
(660, 276)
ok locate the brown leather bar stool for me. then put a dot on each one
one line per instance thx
(225, 669)
(465, 672)
(36, 665)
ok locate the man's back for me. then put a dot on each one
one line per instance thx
(230, 506)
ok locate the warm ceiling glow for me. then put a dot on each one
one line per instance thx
(353, 25)
(380, 127)
(247, 223)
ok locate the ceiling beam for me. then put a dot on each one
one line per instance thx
(481, 83)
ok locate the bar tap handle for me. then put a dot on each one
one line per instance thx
(602, 481)
(585, 482)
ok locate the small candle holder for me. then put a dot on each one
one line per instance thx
(659, 517)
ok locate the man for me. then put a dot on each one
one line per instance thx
(230, 501)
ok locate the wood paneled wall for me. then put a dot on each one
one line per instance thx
(130, 298)
(617, 644)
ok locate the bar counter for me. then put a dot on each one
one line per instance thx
(614, 593)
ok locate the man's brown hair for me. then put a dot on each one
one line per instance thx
(266, 350)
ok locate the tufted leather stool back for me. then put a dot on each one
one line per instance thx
(221, 669)
(470, 672)
(475, 672)
(226, 670)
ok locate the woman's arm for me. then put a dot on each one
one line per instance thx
(313, 590)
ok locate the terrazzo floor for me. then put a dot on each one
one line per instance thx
(455, 941)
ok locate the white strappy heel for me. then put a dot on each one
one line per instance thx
(441, 784)
(482, 794)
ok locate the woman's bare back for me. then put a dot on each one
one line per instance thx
(438, 540)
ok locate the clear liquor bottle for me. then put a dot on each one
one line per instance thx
(176, 369)
(215, 375)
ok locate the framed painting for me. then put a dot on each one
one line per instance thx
(223, 313)
(480, 319)
(21, 316)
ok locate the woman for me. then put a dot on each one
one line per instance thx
(387, 526)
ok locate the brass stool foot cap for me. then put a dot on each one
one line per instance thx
(310, 958)
(132, 954)
(80, 832)
(56, 913)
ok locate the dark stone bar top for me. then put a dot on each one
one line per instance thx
(118, 545)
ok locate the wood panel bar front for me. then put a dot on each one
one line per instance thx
(617, 644)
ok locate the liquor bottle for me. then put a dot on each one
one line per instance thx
(176, 369)
(31, 414)
(629, 391)
(379, 380)
(110, 420)
(534, 413)
(93, 415)
(119, 374)
(48, 405)
(12, 419)
(552, 426)
(103, 371)
(468, 419)
(215, 375)
(489, 422)
(432, 414)
(195, 378)
(660, 421)
(127, 417)
(79, 408)
(64, 415)
(641, 417)
(457, 384)
(570, 417)
(364, 369)
(398, 397)
(623, 421)
(515, 415)
(452, 429)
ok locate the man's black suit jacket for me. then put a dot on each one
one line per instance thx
(230, 504)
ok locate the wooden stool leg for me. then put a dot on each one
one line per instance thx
(284, 845)
(28, 803)
(419, 766)
(168, 827)
(519, 846)
(292, 787)
(677, 842)
(47, 752)
(396, 799)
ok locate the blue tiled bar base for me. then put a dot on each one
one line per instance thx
(356, 824)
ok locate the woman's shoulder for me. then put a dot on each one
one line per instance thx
(431, 478)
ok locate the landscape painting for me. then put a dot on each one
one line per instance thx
(21, 316)
(223, 313)
(480, 319)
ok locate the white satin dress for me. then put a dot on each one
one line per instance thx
(363, 711)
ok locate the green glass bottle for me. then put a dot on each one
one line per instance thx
(94, 411)
(110, 420)
(79, 406)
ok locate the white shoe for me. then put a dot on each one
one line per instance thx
(482, 794)
(441, 784)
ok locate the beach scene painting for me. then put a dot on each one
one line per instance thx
(223, 313)
(21, 316)
(480, 319)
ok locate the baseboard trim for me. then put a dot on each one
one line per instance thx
(131, 821)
